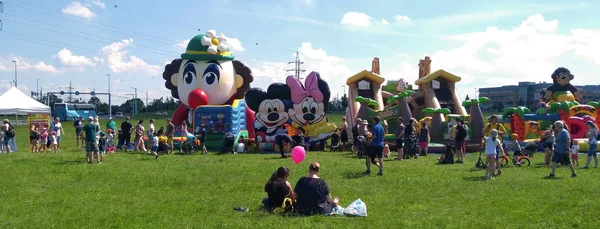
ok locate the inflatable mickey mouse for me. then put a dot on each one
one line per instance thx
(206, 74)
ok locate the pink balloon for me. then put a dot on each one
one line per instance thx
(298, 154)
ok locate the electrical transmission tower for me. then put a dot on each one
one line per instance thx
(297, 69)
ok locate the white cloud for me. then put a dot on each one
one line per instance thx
(99, 4)
(356, 19)
(23, 64)
(115, 55)
(66, 57)
(385, 22)
(402, 18)
(234, 44)
(528, 52)
(77, 9)
(182, 45)
(333, 69)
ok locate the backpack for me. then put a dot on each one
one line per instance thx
(11, 131)
(461, 132)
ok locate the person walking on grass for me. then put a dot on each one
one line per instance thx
(139, 137)
(1, 140)
(34, 138)
(154, 148)
(102, 147)
(9, 134)
(400, 138)
(91, 147)
(424, 140)
(344, 134)
(561, 150)
(592, 135)
(575, 152)
(490, 144)
(78, 124)
(59, 132)
(169, 134)
(203, 139)
(459, 140)
(149, 132)
(376, 147)
(125, 133)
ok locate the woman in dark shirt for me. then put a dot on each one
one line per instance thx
(312, 194)
(278, 189)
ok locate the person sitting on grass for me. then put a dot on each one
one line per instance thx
(312, 194)
(280, 195)
(515, 146)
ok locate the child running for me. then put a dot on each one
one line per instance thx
(54, 142)
(154, 148)
(101, 147)
(575, 152)
(43, 140)
(490, 144)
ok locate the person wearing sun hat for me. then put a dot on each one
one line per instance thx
(207, 74)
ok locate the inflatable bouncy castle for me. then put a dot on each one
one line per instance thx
(214, 91)
(558, 102)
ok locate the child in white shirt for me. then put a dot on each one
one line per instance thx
(575, 152)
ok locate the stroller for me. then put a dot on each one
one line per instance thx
(411, 147)
(362, 147)
(335, 142)
(228, 141)
(191, 144)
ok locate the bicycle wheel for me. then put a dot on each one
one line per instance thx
(503, 161)
(524, 161)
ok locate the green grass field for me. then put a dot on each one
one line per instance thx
(132, 190)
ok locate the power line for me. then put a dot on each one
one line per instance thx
(128, 33)
(59, 45)
(297, 69)
(157, 18)
(137, 47)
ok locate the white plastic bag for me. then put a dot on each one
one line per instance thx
(356, 208)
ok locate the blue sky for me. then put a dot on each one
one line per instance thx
(487, 43)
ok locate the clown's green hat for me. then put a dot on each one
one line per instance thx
(207, 47)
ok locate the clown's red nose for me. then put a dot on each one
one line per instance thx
(197, 98)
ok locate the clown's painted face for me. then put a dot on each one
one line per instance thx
(308, 111)
(271, 113)
(216, 79)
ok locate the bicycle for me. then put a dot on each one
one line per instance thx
(521, 160)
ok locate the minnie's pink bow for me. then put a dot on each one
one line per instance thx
(299, 92)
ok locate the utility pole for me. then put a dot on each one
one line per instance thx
(146, 101)
(70, 92)
(344, 86)
(297, 69)
(37, 89)
(135, 110)
(14, 61)
(109, 99)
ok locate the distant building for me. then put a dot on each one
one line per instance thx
(526, 94)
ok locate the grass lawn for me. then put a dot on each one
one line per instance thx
(132, 190)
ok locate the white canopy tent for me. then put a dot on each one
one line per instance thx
(15, 102)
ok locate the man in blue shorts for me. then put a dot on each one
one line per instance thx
(376, 147)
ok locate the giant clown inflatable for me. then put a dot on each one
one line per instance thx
(207, 75)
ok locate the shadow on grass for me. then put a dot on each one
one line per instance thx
(475, 178)
(70, 162)
(277, 158)
(353, 175)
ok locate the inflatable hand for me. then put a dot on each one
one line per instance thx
(578, 94)
(197, 98)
